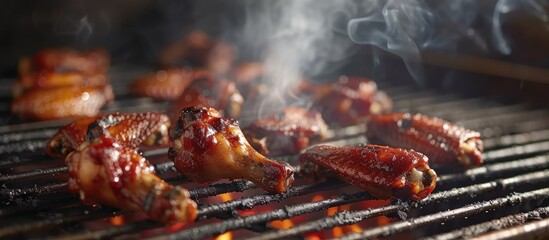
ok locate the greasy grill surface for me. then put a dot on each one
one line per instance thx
(508, 191)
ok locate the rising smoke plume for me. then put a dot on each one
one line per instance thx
(310, 37)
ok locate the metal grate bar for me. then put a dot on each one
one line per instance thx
(496, 224)
(472, 209)
(347, 218)
(516, 139)
(516, 151)
(494, 170)
(534, 230)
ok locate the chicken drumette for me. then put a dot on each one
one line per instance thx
(207, 147)
(103, 171)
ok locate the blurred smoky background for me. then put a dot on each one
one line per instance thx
(475, 47)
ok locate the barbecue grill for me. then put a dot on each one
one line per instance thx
(506, 197)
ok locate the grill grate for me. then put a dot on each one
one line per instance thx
(508, 191)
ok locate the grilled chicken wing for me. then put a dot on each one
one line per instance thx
(382, 171)
(349, 100)
(163, 85)
(208, 147)
(288, 132)
(205, 91)
(198, 49)
(61, 102)
(47, 79)
(446, 144)
(63, 60)
(104, 171)
(131, 130)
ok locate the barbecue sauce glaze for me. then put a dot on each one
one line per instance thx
(104, 171)
(207, 147)
(382, 171)
(446, 144)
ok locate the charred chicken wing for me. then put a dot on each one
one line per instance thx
(446, 144)
(61, 102)
(288, 132)
(382, 171)
(131, 130)
(207, 147)
(104, 171)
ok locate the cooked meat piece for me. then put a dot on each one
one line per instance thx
(47, 79)
(221, 58)
(446, 144)
(131, 130)
(61, 102)
(287, 132)
(104, 171)
(207, 147)
(63, 60)
(348, 101)
(163, 85)
(205, 91)
(384, 172)
(93, 61)
(248, 72)
(198, 50)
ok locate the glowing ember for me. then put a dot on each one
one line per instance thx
(317, 198)
(282, 224)
(117, 221)
(225, 236)
(225, 197)
(177, 226)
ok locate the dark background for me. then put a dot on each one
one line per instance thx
(136, 31)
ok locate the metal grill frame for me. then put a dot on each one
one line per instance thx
(517, 157)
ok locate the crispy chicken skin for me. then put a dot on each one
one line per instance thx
(287, 132)
(165, 84)
(382, 171)
(61, 102)
(104, 171)
(207, 147)
(206, 91)
(131, 130)
(446, 144)
(348, 101)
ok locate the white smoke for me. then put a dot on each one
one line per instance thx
(311, 37)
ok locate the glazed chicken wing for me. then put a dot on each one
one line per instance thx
(287, 132)
(163, 85)
(63, 60)
(45, 79)
(205, 91)
(348, 101)
(446, 144)
(61, 102)
(382, 171)
(131, 130)
(208, 147)
(104, 171)
(199, 50)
